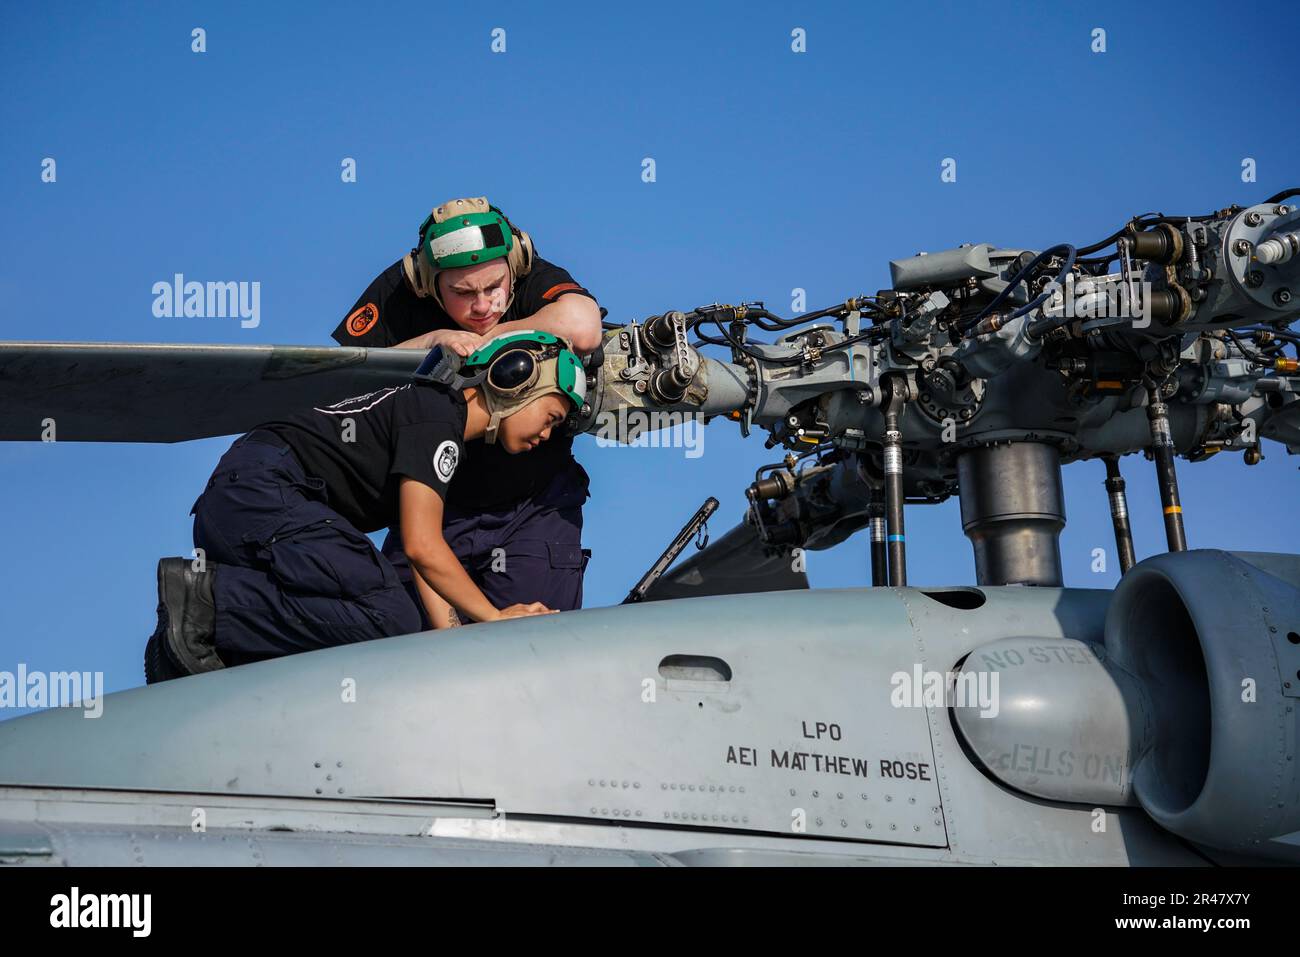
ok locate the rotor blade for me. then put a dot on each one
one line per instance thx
(129, 392)
(736, 564)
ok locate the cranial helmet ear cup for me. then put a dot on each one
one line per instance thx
(520, 257)
(420, 276)
(513, 371)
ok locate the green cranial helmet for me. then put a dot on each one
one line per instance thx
(465, 232)
(519, 368)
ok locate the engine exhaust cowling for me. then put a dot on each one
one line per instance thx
(1190, 708)
(1214, 639)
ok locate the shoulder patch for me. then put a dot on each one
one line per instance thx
(362, 319)
(446, 459)
(557, 289)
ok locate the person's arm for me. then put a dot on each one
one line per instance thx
(432, 558)
(573, 317)
(436, 607)
(458, 341)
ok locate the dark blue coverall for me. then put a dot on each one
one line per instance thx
(519, 552)
(293, 575)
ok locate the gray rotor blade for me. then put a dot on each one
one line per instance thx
(736, 564)
(129, 392)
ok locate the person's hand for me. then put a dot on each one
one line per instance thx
(526, 611)
(456, 340)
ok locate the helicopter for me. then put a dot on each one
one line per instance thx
(726, 713)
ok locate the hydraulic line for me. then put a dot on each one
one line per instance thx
(1064, 250)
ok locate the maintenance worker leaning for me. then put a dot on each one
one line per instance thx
(514, 522)
(285, 565)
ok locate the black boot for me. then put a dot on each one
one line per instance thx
(157, 664)
(183, 643)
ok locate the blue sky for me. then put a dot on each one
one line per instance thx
(775, 170)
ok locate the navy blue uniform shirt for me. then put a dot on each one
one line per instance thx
(362, 446)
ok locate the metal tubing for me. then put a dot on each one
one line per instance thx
(896, 539)
(1119, 514)
(879, 551)
(1162, 450)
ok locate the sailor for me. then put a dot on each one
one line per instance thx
(516, 524)
(283, 563)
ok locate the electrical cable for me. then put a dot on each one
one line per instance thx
(1250, 354)
(1285, 194)
(1063, 249)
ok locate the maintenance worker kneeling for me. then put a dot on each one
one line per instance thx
(285, 565)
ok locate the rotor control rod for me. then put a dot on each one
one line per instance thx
(1119, 514)
(1162, 450)
(879, 552)
(896, 540)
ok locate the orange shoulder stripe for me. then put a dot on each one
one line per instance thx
(557, 289)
